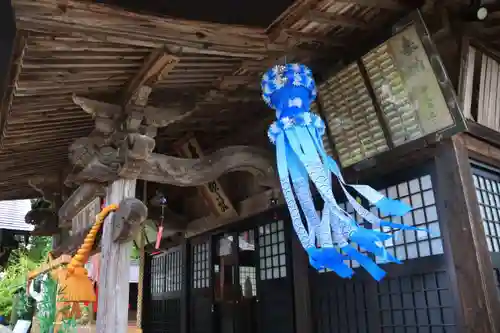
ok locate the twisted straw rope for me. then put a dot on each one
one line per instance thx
(82, 255)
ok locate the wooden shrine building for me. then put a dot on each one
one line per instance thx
(160, 100)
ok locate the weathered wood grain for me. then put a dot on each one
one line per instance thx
(114, 276)
(128, 219)
(139, 29)
(156, 66)
(249, 207)
(80, 198)
(198, 171)
(468, 258)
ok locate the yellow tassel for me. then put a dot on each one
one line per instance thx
(74, 282)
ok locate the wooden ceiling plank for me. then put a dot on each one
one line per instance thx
(35, 119)
(48, 127)
(291, 15)
(12, 166)
(15, 69)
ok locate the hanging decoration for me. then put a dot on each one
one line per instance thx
(159, 235)
(297, 133)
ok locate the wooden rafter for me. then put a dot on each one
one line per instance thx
(156, 66)
(291, 15)
(15, 70)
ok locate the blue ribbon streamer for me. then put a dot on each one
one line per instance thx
(301, 158)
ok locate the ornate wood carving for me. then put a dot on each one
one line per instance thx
(80, 198)
(198, 171)
(212, 192)
(45, 221)
(153, 116)
(128, 219)
(105, 165)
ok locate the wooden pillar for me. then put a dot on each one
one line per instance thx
(301, 290)
(142, 258)
(469, 262)
(112, 313)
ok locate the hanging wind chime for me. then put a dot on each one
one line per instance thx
(297, 133)
(159, 235)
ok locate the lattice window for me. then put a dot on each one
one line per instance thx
(158, 275)
(417, 303)
(342, 307)
(166, 272)
(248, 278)
(173, 264)
(488, 196)
(201, 269)
(419, 193)
(272, 252)
(164, 316)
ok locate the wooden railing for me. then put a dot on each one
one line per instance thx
(480, 86)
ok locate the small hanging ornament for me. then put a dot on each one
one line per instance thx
(297, 133)
(159, 235)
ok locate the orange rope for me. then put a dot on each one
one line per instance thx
(82, 255)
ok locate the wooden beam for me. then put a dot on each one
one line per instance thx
(158, 117)
(156, 66)
(15, 69)
(116, 25)
(212, 192)
(307, 37)
(112, 314)
(249, 207)
(483, 133)
(291, 15)
(482, 151)
(336, 20)
(178, 171)
(383, 4)
(467, 255)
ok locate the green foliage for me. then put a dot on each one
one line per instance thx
(21, 261)
(46, 313)
(135, 253)
(25, 306)
(47, 309)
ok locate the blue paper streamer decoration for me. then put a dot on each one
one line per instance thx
(301, 158)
